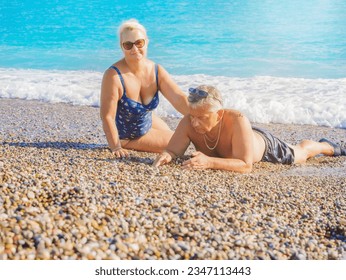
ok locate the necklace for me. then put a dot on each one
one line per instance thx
(210, 140)
(205, 137)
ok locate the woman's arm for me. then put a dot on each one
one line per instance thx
(172, 92)
(110, 94)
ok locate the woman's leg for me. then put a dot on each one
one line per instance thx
(156, 140)
(158, 123)
(308, 148)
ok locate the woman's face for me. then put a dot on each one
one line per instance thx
(202, 119)
(136, 52)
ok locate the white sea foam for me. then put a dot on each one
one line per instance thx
(263, 99)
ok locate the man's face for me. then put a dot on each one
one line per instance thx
(203, 119)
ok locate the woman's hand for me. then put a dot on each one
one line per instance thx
(120, 152)
(198, 161)
(162, 159)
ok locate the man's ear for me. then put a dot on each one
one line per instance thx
(220, 114)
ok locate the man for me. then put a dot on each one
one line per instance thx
(224, 139)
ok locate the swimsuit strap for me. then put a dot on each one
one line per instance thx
(120, 77)
(157, 75)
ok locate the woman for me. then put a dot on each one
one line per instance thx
(129, 93)
(224, 139)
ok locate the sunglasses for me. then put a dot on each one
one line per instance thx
(139, 44)
(200, 93)
(196, 94)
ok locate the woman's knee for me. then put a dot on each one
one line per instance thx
(159, 123)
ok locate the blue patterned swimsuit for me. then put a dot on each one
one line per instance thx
(134, 119)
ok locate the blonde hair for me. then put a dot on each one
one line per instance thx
(131, 24)
(213, 99)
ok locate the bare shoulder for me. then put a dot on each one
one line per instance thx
(112, 76)
(185, 122)
(162, 72)
(235, 117)
(231, 113)
(111, 84)
(111, 73)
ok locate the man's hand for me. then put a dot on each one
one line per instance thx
(162, 159)
(198, 161)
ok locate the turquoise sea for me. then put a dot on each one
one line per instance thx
(222, 37)
(265, 55)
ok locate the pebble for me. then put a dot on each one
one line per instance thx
(31, 195)
(62, 197)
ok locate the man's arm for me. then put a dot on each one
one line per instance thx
(177, 145)
(242, 151)
(202, 161)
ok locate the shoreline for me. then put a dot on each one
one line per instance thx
(63, 197)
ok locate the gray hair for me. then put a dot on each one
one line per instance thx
(213, 98)
(131, 24)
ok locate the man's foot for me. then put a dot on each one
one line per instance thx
(338, 151)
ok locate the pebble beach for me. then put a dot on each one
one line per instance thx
(64, 196)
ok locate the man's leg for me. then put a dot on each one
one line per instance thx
(308, 148)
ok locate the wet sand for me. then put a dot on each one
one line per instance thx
(63, 196)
